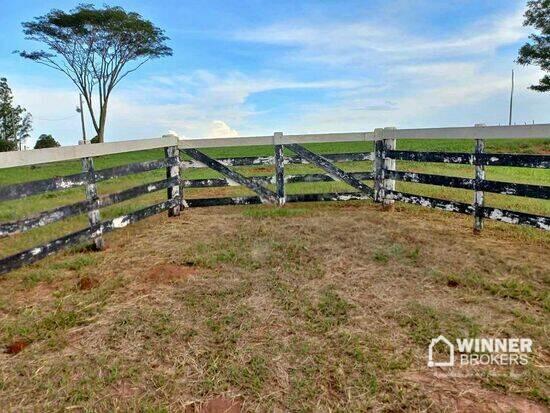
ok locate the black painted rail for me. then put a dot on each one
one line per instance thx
(383, 176)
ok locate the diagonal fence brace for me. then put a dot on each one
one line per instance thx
(330, 168)
(266, 195)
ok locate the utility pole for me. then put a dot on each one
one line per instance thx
(511, 101)
(13, 125)
(79, 110)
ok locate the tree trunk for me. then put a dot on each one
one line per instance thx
(102, 121)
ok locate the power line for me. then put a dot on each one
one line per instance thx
(55, 120)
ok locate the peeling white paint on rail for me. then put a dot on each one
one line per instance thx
(121, 222)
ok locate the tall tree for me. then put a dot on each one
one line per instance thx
(25, 128)
(46, 141)
(537, 52)
(96, 49)
(15, 121)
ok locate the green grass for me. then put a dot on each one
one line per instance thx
(276, 310)
(18, 209)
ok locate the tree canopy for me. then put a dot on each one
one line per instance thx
(46, 141)
(537, 51)
(96, 48)
(15, 121)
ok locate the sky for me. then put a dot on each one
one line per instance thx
(250, 67)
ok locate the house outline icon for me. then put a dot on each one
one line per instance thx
(431, 362)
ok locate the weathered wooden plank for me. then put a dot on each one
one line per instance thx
(429, 179)
(94, 216)
(243, 161)
(125, 220)
(44, 218)
(270, 179)
(135, 168)
(270, 160)
(417, 156)
(437, 203)
(514, 217)
(330, 168)
(280, 172)
(503, 215)
(22, 190)
(508, 188)
(334, 196)
(490, 159)
(505, 188)
(514, 159)
(64, 212)
(361, 176)
(250, 200)
(266, 194)
(207, 202)
(34, 254)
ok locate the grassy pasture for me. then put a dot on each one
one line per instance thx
(312, 307)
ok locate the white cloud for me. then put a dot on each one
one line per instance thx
(370, 43)
(220, 129)
(201, 104)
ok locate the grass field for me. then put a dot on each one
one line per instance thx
(18, 209)
(313, 307)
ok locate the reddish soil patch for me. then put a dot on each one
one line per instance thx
(87, 283)
(169, 272)
(16, 346)
(218, 405)
(465, 395)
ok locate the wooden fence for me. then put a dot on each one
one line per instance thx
(384, 175)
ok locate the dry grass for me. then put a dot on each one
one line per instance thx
(326, 307)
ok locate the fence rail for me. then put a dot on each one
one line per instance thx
(383, 176)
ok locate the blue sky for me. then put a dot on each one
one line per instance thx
(255, 67)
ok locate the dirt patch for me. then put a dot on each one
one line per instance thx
(331, 310)
(16, 347)
(166, 273)
(217, 405)
(87, 283)
(462, 394)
